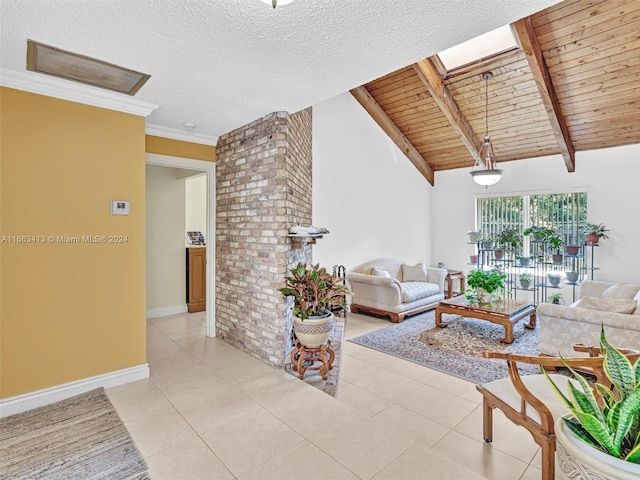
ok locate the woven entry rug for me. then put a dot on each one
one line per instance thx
(456, 349)
(78, 438)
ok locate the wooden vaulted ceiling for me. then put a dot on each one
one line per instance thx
(574, 84)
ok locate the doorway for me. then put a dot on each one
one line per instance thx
(209, 169)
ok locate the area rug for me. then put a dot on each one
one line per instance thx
(456, 349)
(78, 438)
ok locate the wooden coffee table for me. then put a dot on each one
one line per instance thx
(506, 313)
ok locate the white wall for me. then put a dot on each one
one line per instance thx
(610, 176)
(196, 204)
(365, 191)
(166, 238)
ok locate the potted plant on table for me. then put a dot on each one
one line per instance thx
(484, 281)
(594, 232)
(316, 293)
(600, 438)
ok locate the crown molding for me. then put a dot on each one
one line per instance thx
(74, 92)
(177, 134)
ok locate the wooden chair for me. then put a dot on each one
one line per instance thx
(529, 400)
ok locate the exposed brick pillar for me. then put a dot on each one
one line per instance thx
(263, 187)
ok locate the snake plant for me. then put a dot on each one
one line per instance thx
(608, 420)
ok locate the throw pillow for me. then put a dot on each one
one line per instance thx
(612, 305)
(621, 290)
(379, 272)
(416, 273)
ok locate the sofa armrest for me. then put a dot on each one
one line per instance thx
(548, 311)
(374, 291)
(437, 276)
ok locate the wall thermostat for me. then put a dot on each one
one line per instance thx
(119, 207)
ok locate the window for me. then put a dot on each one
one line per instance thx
(485, 46)
(565, 213)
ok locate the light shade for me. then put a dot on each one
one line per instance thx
(489, 175)
(486, 177)
(275, 3)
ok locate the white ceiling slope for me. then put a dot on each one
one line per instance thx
(224, 63)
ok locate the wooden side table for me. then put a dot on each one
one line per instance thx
(451, 276)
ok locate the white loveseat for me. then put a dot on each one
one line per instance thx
(390, 288)
(616, 306)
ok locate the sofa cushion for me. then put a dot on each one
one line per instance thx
(621, 290)
(380, 272)
(415, 273)
(416, 290)
(612, 305)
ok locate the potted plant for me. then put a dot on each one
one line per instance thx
(600, 438)
(474, 236)
(316, 293)
(487, 243)
(488, 281)
(555, 242)
(572, 277)
(525, 280)
(538, 234)
(473, 258)
(524, 261)
(554, 279)
(510, 241)
(555, 298)
(594, 232)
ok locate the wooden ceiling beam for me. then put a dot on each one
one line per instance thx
(434, 84)
(530, 45)
(369, 103)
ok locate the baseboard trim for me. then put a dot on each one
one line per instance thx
(164, 311)
(39, 398)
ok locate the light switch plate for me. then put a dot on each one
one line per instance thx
(119, 207)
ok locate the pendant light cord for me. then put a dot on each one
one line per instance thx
(486, 104)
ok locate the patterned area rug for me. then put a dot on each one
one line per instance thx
(457, 349)
(78, 438)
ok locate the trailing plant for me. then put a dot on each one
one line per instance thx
(314, 291)
(597, 229)
(605, 418)
(540, 234)
(510, 240)
(488, 280)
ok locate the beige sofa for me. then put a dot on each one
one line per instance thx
(390, 288)
(616, 306)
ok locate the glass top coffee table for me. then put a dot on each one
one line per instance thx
(506, 313)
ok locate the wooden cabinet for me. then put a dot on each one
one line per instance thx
(196, 279)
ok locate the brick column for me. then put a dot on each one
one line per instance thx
(263, 187)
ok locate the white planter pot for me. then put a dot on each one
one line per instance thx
(579, 461)
(313, 332)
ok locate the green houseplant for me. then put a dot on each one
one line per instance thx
(316, 294)
(605, 418)
(555, 298)
(525, 280)
(481, 281)
(510, 240)
(539, 234)
(595, 231)
(556, 242)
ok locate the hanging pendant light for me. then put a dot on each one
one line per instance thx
(275, 3)
(489, 175)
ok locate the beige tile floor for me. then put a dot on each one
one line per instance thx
(209, 411)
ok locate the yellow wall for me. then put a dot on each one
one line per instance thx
(69, 310)
(178, 148)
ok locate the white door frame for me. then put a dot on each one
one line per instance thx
(210, 169)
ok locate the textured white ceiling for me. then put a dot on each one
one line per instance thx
(224, 63)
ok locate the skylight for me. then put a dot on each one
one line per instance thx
(485, 46)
